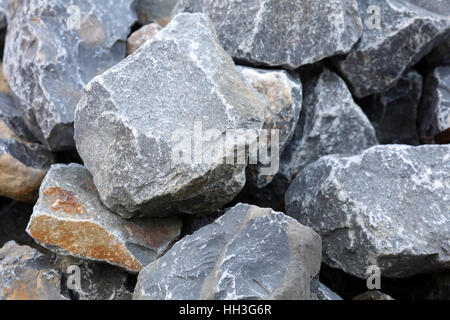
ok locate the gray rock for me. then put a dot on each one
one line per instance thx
(288, 34)
(394, 113)
(325, 293)
(140, 36)
(48, 61)
(407, 33)
(69, 219)
(283, 93)
(248, 253)
(159, 11)
(27, 274)
(434, 113)
(388, 206)
(12, 124)
(138, 126)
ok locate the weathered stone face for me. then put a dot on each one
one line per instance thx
(289, 33)
(12, 124)
(26, 274)
(248, 253)
(140, 36)
(48, 60)
(405, 35)
(69, 219)
(159, 11)
(133, 120)
(388, 206)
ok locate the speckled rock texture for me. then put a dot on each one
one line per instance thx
(248, 253)
(388, 206)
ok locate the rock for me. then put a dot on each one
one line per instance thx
(386, 207)
(12, 124)
(186, 85)
(48, 61)
(22, 168)
(325, 293)
(394, 113)
(140, 36)
(14, 217)
(283, 93)
(69, 219)
(373, 295)
(434, 113)
(407, 33)
(288, 34)
(248, 253)
(3, 85)
(159, 11)
(27, 274)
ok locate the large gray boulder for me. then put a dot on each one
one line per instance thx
(248, 253)
(408, 31)
(152, 130)
(388, 206)
(48, 60)
(289, 34)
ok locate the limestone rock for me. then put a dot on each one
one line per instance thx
(288, 34)
(248, 253)
(159, 11)
(3, 85)
(388, 206)
(69, 219)
(137, 124)
(48, 60)
(12, 124)
(140, 36)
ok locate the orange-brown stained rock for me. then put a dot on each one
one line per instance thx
(154, 237)
(83, 238)
(60, 199)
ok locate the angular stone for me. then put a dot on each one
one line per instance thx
(388, 206)
(434, 113)
(12, 124)
(283, 93)
(159, 11)
(183, 82)
(325, 293)
(48, 61)
(288, 34)
(26, 274)
(69, 219)
(407, 33)
(248, 253)
(140, 36)
(394, 113)
(373, 295)
(22, 168)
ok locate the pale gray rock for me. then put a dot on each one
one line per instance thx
(394, 113)
(388, 207)
(435, 107)
(14, 217)
(159, 11)
(248, 253)
(138, 126)
(288, 34)
(53, 48)
(69, 219)
(407, 33)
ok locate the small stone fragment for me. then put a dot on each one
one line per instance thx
(159, 11)
(140, 36)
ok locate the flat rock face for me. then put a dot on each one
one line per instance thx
(248, 253)
(12, 124)
(26, 274)
(47, 61)
(289, 33)
(159, 11)
(138, 37)
(69, 219)
(153, 129)
(407, 33)
(435, 108)
(283, 93)
(387, 207)
(394, 113)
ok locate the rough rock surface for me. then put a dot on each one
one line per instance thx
(69, 219)
(12, 124)
(394, 113)
(407, 33)
(48, 60)
(26, 274)
(183, 82)
(435, 107)
(283, 93)
(140, 36)
(388, 206)
(289, 33)
(159, 11)
(248, 253)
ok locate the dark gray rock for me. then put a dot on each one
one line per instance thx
(440, 55)
(394, 113)
(12, 124)
(325, 293)
(137, 125)
(388, 206)
(289, 34)
(248, 253)
(408, 32)
(48, 60)
(159, 11)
